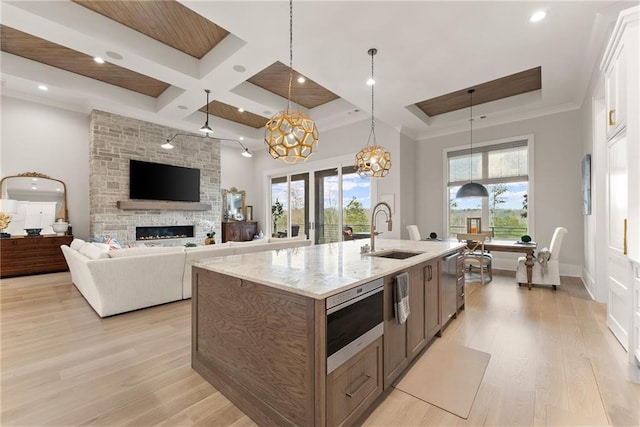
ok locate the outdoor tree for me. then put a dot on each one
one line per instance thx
(276, 213)
(496, 197)
(355, 216)
(525, 204)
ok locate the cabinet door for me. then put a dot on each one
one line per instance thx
(416, 337)
(395, 338)
(616, 91)
(249, 229)
(431, 300)
(354, 386)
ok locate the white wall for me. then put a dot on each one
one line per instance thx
(557, 199)
(52, 141)
(238, 171)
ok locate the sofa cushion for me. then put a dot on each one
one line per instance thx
(76, 244)
(94, 252)
(249, 243)
(153, 250)
(102, 246)
(208, 248)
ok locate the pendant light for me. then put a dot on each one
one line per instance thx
(290, 135)
(205, 127)
(373, 161)
(471, 189)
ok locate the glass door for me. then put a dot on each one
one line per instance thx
(290, 205)
(336, 207)
(342, 205)
(327, 223)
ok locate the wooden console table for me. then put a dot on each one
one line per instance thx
(21, 256)
(239, 231)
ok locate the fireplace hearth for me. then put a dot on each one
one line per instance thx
(164, 232)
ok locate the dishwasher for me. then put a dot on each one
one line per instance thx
(448, 286)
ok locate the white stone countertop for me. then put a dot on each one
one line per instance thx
(320, 271)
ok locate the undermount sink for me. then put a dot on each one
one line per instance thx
(396, 254)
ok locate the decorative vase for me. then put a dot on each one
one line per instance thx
(210, 241)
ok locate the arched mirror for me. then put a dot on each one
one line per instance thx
(233, 208)
(33, 200)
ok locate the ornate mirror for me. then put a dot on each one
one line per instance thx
(33, 200)
(233, 208)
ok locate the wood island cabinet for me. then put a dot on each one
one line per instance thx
(403, 343)
(239, 231)
(21, 256)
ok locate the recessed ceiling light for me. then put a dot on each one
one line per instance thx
(301, 79)
(538, 16)
(241, 109)
(167, 145)
(182, 107)
(98, 60)
(370, 82)
(58, 189)
(241, 138)
(239, 68)
(43, 87)
(34, 179)
(114, 55)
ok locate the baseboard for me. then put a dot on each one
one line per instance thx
(589, 283)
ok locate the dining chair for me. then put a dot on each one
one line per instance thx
(414, 232)
(474, 254)
(546, 267)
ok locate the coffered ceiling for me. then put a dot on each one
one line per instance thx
(161, 55)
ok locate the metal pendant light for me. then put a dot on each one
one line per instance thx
(471, 189)
(373, 160)
(205, 127)
(291, 135)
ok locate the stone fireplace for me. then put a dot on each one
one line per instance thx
(114, 140)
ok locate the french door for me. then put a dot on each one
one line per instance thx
(336, 207)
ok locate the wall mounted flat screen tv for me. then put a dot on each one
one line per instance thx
(155, 181)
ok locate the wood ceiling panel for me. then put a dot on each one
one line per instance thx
(275, 79)
(36, 49)
(226, 111)
(504, 87)
(169, 22)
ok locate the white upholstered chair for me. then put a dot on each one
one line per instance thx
(414, 233)
(475, 255)
(544, 273)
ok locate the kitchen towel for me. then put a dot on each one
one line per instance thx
(401, 297)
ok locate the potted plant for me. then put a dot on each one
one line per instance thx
(276, 213)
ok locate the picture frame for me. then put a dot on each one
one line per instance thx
(249, 213)
(586, 184)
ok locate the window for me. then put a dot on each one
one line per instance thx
(504, 169)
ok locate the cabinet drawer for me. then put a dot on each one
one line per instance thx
(354, 386)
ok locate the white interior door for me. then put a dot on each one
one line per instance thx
(618, 277)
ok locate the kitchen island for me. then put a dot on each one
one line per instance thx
(260, 327)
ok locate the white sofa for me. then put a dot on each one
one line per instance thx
(117, 281)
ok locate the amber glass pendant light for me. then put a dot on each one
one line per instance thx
(291, 135)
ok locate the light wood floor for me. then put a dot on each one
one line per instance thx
(553, 362)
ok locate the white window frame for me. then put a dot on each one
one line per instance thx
(530, 187)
